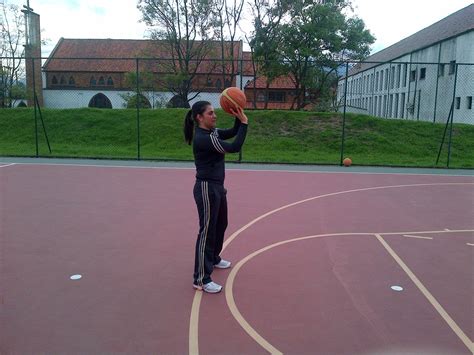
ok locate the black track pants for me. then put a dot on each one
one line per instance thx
(211, 203)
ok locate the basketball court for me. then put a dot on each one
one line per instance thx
(97, 257)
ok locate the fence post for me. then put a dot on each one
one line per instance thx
(241, 88)
(437, 83)
(452, 116)
(34, 105)
(344, 115)
(138, 112)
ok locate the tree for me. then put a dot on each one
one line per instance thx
(185, 28)
(12, 26)
(319, 35)
(145, 82)
(228, 21)
(267, 38)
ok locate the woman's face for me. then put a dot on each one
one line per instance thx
(208, 118)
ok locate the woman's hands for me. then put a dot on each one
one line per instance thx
(239, 113)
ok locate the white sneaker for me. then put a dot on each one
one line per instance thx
(210, 287)
(223, 264)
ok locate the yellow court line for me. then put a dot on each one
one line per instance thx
(194, 319)
(194, 324)
(428, 295)
(230, 281)
(417, 236)
(229, 290)
(4, 166)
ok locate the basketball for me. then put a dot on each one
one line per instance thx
(347, 162)
(231, 98)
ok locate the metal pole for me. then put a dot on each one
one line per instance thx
(452, 116)
(372, 102)
(42, 122)
(138, 113)
(409, 85)
(34, 105)
(444, 133)
(414, 93)
(241, 88)
(437, 80)
(344, 115)
(389, 82)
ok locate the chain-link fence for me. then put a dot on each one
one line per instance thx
(388, 113)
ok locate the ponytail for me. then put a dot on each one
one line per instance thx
(197, 109)
(188, 127)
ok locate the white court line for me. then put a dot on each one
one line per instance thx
(471, 244)
(230, 168)
(4, 166)
(416, 236)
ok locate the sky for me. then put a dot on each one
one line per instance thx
(388, 21)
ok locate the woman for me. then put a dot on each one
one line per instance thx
(209, 148)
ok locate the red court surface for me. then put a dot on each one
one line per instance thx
(314, 254)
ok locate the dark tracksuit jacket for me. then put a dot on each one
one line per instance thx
(209, 148)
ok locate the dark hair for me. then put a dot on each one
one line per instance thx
(197, 109)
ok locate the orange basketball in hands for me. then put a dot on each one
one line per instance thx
(232, 98)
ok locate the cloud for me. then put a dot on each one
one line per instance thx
(389, 21)
(392, 21)
(99, 10)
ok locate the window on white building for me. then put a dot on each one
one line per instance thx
(458, 103)
(469, 102)
(441, 69)
(405, 75)
(452, 67)
(399, 70)
(392, 78)
(413, 75)
(422, 73)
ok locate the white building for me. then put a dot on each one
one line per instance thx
(422, 77)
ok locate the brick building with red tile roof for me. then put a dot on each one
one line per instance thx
(93, 72)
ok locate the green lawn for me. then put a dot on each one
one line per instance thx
(273, 136)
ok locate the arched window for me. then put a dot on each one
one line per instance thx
(101, 81)
(110, 82)
(209, 82)
(228, 84)
(71, 81)
(177, 101)
(143, 102)
(54, 81)
(62, 81)
(100, 101)
(219, 84)
(93, 82)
